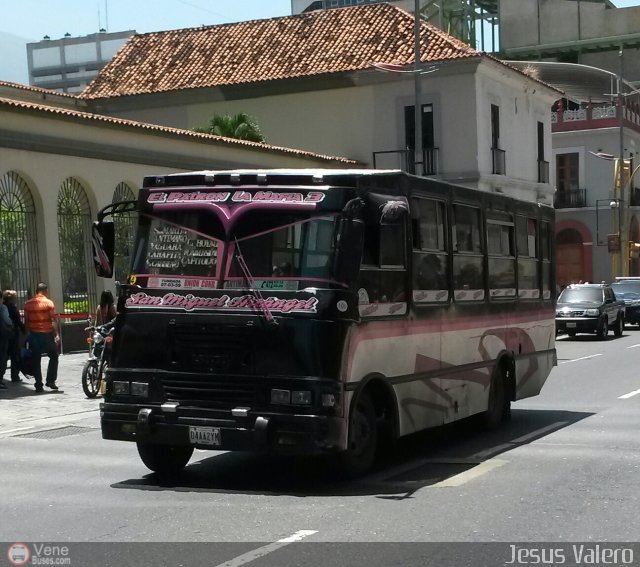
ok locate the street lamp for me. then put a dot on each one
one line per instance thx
(417, 71)
(620, 188)
(417, 53)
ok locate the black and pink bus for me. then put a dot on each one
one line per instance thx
(316, 311)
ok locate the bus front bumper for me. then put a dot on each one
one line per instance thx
(223, 430)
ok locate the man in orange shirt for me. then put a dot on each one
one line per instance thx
(41, 321)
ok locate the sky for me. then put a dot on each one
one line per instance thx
(34, 19)
(23, 21)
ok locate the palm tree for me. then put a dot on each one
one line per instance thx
(240, 126)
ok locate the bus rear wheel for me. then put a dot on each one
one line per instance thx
(360, 454)
(499, 405)
(166, 460)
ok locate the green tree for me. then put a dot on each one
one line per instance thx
(240, 126)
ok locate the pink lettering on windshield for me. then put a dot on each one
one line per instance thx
(190, 302)
(312, 197)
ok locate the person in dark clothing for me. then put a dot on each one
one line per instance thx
(106, 310)
(10, 296)
(6, 333)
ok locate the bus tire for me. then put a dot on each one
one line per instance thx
(166, 460)
(499, 405)
(360, 454)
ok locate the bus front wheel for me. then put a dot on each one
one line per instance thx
(360, 454)
(499, 405)
(164, 459)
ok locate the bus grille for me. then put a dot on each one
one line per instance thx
(212, 391)
(210, 348)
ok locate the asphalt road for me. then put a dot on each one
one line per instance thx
(566, 469)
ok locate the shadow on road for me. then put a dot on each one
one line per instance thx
(416, 461)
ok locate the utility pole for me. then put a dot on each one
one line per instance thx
(620, 180)
(418, 152)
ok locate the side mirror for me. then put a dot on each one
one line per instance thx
(102, 240)
(349, 243)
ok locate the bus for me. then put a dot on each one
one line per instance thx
(321, 311)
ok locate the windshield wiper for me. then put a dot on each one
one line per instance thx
(252, 286)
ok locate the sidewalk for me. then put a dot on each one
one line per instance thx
(21, 408)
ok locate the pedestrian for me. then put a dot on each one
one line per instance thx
(10, 296)
(7, 332)
(41, 321)
(106, 310)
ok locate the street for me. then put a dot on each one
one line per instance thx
(565, 469)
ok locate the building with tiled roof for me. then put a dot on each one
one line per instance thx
(319, 44)
(317, 81)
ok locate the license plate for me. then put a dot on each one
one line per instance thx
(571, 325)
(205, 436)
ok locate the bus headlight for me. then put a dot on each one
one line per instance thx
(330, 401)
(280, 397)
(120, 387)
(140, 389)
(301, 398)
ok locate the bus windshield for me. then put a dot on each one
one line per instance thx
(278, 249)
(290, 251)
(177, 244)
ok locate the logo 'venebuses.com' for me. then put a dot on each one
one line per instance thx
(18, 553)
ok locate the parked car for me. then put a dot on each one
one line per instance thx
(628, 290)
(589, 308)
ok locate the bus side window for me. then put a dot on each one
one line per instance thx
(501, 254)
(382, 276)
(468, 260)
(430, 266)
(527, 249)
(545, 258)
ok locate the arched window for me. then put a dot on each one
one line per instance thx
(74, 235)
(124, 224)
(19, 265)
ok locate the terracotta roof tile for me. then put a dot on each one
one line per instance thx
(316, 43)
(41, 109)
(32, 89)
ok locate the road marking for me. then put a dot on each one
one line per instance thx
(492, 451)
(538, 432)
(510, 444)
(582, 358)
(466, 476)
(629, 395)
(634, 346)
(266, 549)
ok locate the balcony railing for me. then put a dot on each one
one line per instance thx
(405, 160)
(499, 161)
(570, 199)
(543, 171)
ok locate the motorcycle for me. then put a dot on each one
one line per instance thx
(93, 371)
